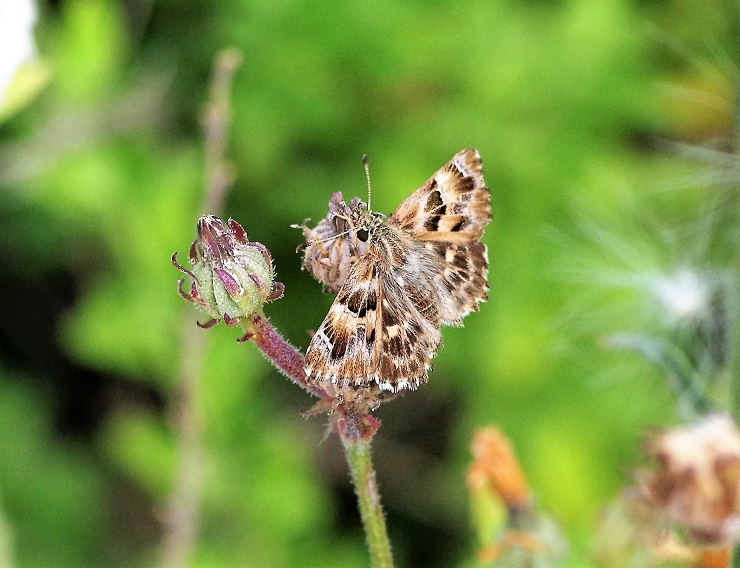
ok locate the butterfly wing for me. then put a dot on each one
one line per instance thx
(409, 327)
(447, 216)
(453, 205)
(382, 328)
(342, 349)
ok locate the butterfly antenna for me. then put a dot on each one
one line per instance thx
(367, 176)
(329, 238)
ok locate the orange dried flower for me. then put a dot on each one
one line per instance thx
(496, 465)
(528, 538)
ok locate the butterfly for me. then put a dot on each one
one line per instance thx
(398, 280)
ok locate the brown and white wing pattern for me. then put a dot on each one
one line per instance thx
(382, 329)
(448, 215)
(423, 267)
(342, 349)
(453, 205)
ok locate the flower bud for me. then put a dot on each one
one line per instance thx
(497, 467)
(231, 277)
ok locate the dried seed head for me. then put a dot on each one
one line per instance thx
(697, 482)
(332, 245)
(685, 295)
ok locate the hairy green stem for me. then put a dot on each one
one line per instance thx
(355, 429)
(360, 463)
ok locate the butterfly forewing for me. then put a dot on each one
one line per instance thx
(454, 205)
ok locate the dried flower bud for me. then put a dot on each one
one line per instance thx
(331, 247)
(497, 467)
(529, 537)
(697, 483)
(231, 277)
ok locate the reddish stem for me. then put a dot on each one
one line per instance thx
(286, 358)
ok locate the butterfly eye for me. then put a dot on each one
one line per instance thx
(363, 235)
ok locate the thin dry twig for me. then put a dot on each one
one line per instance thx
(181, 515)
(219, 174)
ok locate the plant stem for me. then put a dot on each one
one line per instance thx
(363, 477)
(283, 356)
(183, 508)
(182, 511)
(355, 429)
(216, 118)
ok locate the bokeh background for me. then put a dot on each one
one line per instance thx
(600, 125)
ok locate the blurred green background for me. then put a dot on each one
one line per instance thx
(571, 104)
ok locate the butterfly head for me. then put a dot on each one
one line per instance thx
(361, 225)
(355, 221)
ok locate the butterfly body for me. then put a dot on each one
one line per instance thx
(407, 275)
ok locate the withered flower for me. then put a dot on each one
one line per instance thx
(529, 538)
(330, 248)
(496, 466)
(697, 482)
(232, 278)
